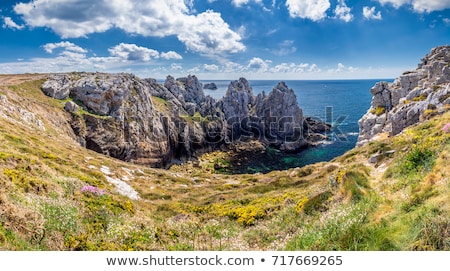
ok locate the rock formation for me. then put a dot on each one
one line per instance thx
(210, 86)
(143, 121)
(412, 97)
(281, 117)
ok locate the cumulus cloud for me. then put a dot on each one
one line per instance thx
(395, 3)
(133, 52)
(342, 68)
(343, 12)
(314, 68)
(69, 56)
(211, 68)
(205, 33)
(371, 13)
(176, 67)
(65, 45)
(9, 23)
(171, 55)
(258, 65)
(290, 68)
(239, 3)
(208, 34)
(230, 67)
(420, 6)
(314, 10)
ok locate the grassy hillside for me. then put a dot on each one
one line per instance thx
(56, 195)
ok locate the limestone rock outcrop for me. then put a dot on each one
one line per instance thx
(281, 118)
(146, 122)
(411, 98)
(274, 119)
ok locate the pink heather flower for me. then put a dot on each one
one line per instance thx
(92, 189)
(446, 128)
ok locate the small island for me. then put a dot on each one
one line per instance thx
(210, 86)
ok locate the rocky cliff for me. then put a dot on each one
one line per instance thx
(146, 122)
(411, 98)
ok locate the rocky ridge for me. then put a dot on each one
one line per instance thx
(143, 121)
(411, 98)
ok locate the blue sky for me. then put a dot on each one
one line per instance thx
(222, 39)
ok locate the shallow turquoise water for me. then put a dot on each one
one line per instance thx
(342, 102)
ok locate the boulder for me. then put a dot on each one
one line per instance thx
(71, 107)
(58, 86)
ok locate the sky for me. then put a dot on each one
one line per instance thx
(222, 39)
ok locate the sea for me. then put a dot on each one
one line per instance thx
(339, 102)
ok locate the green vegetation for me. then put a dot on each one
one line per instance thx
(401, 203)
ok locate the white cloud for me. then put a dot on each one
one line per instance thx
(342, 68)
(314, 68)
(205, 33)
(230, 67)
(69, 57)
(208, 34)
(446, 21)
(284, 48)
(211, 68)
(395, 3)
(194, 70)
(258, 65)
(240, 3)
(171, 55)
(67, 46)
(133, 52)
(290, 68)
(314, 10)
(9, 23)
(176, 67)
(343, 12)
(420, 5)
(371, 13)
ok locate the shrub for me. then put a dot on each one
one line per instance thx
(246, 215)
(316, 203)
(421, 97)
(379, 110)
(417, 160)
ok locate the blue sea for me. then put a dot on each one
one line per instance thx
(346, 100)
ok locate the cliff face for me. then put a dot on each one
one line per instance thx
(132, 119)
(274, 119)
(149, 123)
(412, 97)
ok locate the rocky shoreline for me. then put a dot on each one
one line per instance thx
(145, 122)
(411, 98)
